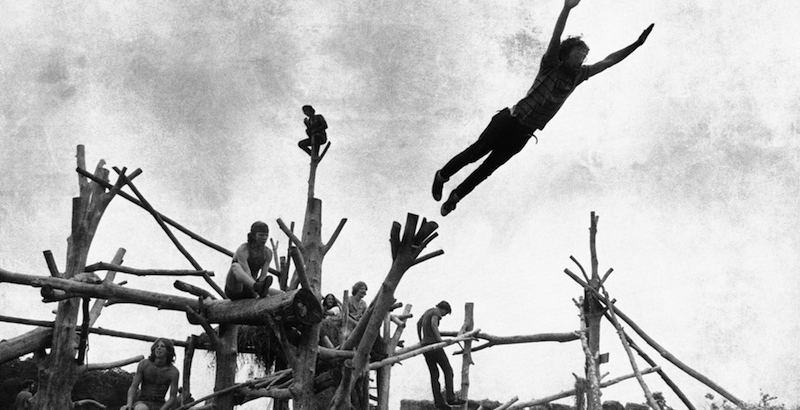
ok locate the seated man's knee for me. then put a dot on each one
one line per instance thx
(237, 272)
(141, 406)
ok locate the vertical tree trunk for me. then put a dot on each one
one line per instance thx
(188, 358)
(364, 396)
(227, 352)
(405, 254)
(345, 331)
(60, 373)
(391, 345)
(466, 358)
(384, 374)
(593, 313)
(313, 251)
(305, 369)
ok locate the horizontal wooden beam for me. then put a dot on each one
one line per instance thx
(146, 272)
(94, 330)
(296, 306)
(504, 340)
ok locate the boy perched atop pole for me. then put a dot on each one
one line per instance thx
(561, 70)
(315, 130)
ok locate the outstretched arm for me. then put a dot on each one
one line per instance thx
(620, 55)
(555, 41)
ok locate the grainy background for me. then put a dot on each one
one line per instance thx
(687, 150)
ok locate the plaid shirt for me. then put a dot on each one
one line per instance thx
(553, 84)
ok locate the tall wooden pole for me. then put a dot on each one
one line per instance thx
(593, 313)
(592, 374)
(60, 368)
(312, 251)
(384, 374)
(311, 248)
(227, 352)
(405, 254)
(466, 359)
(188, 357)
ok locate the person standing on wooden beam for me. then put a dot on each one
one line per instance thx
(560, 71)
(428, 332)
(243, 280)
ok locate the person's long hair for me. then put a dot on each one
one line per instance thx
(170, 350)
(325, 301)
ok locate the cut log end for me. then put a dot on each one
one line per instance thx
(296, 308)
(305, 309)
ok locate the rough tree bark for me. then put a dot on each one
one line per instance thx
(385, 373)
(592, 368)
(60, 368)
(300, 306)
(405, 254)
(466, 359)
(226, 364)
(39, 339)
(593, 313)
(399, 357)
(188, 358)
(311, 252)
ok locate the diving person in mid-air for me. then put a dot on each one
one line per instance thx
(560, 71)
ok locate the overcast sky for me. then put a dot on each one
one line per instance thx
(687, 150)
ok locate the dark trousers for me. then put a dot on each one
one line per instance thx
(316, 139)
(439, 358)
(503, 138)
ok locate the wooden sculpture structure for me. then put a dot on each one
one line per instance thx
(296, 310)
(293, 317)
